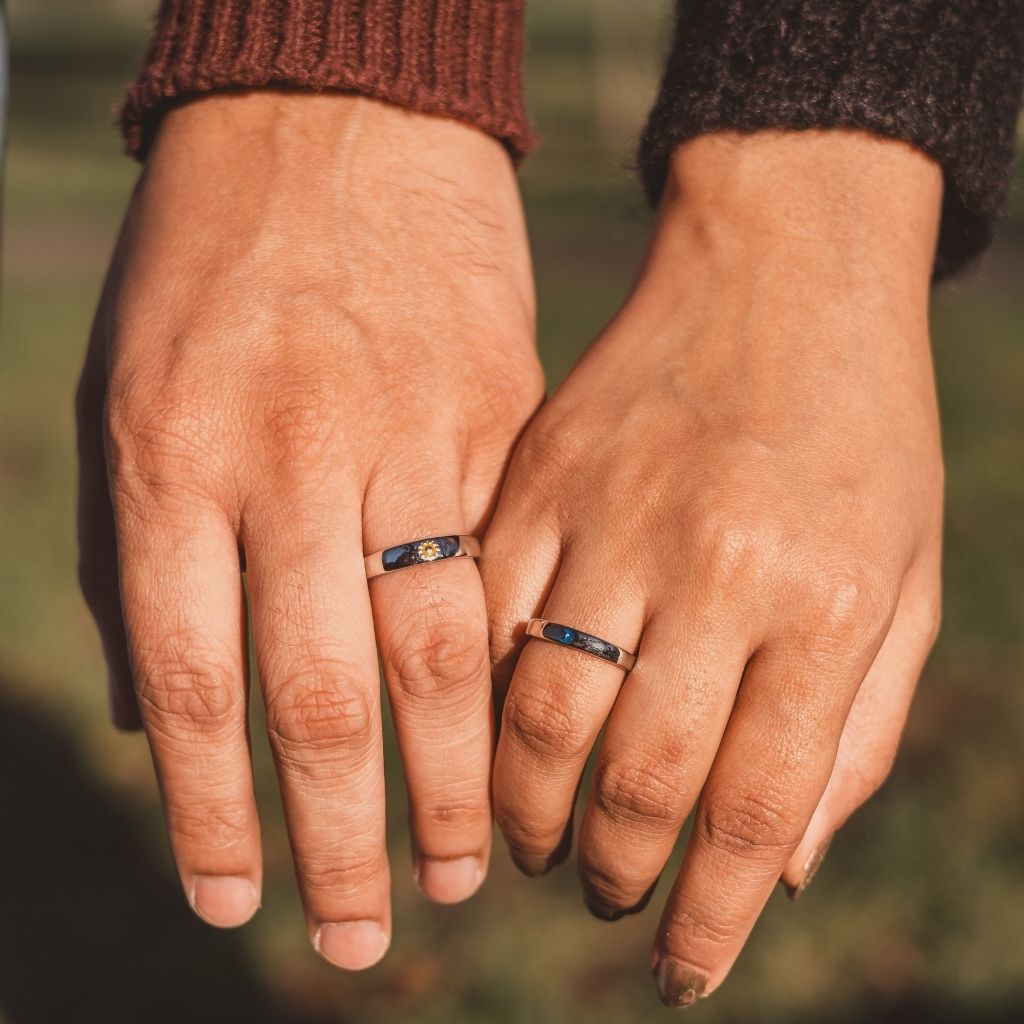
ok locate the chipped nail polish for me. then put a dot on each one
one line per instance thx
(602, 910)
(678, 984)
(810, 869)
(534, 864)
(606, 912)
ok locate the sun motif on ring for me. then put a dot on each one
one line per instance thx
(428, 550)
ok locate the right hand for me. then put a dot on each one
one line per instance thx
(315, 341)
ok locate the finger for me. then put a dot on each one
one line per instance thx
(431, 627)
(871, 736)
(659, 743)
(313, 636)
(97, 541)
(770, 771)
(184, 616)
(557, 703)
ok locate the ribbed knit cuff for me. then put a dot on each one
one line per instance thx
(456, 58)
(944, 75)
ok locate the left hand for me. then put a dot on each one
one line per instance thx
(742, 481)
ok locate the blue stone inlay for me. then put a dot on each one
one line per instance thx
(560, 634)
(581, 641)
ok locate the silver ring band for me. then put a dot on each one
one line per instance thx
(566, 636)
(419, 552)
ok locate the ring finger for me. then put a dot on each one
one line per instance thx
(431, 628)
(557, 703)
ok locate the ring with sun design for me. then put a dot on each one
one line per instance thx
(419, 552)
(556, 633)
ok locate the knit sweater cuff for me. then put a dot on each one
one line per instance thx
(457, 58)
(944, 75)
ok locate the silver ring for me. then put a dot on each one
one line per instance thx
(556, 633)
(419, 552)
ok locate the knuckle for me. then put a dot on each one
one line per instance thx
(688, 927)
(454, 816)
(342, 872)
(157, 445)
(733, 545)
(298, 413)
(847, 604)
(748, 825)
(640, 792)
(438, 660)
(316, 708)
(190, 695)
(223, 827)
(543, 724)
(546, 447)
(537, 472)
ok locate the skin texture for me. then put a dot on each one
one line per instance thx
(742, 482)
(315, 341)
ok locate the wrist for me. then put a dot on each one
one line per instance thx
(832, 203)
(303, 139)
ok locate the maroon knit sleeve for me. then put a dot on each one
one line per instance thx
(457, 58)
(944, 75)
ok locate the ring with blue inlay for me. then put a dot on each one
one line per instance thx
(567, 636)
(420, 552)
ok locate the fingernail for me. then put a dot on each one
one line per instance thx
(449, 881)
(601, 910)
(534, 864)
(606, 912)
(679, 985)
(564, 848)
(353, 945)
(224, 901)
(810, 870)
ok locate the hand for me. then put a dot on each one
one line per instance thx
(742, 482)
(315, 341)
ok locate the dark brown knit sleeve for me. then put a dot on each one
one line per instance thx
(944, 75)
(457, 58)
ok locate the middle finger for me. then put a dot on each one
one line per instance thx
(313, 634)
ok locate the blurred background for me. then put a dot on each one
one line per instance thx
(918, 914)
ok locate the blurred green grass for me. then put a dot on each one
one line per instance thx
(919, 912)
